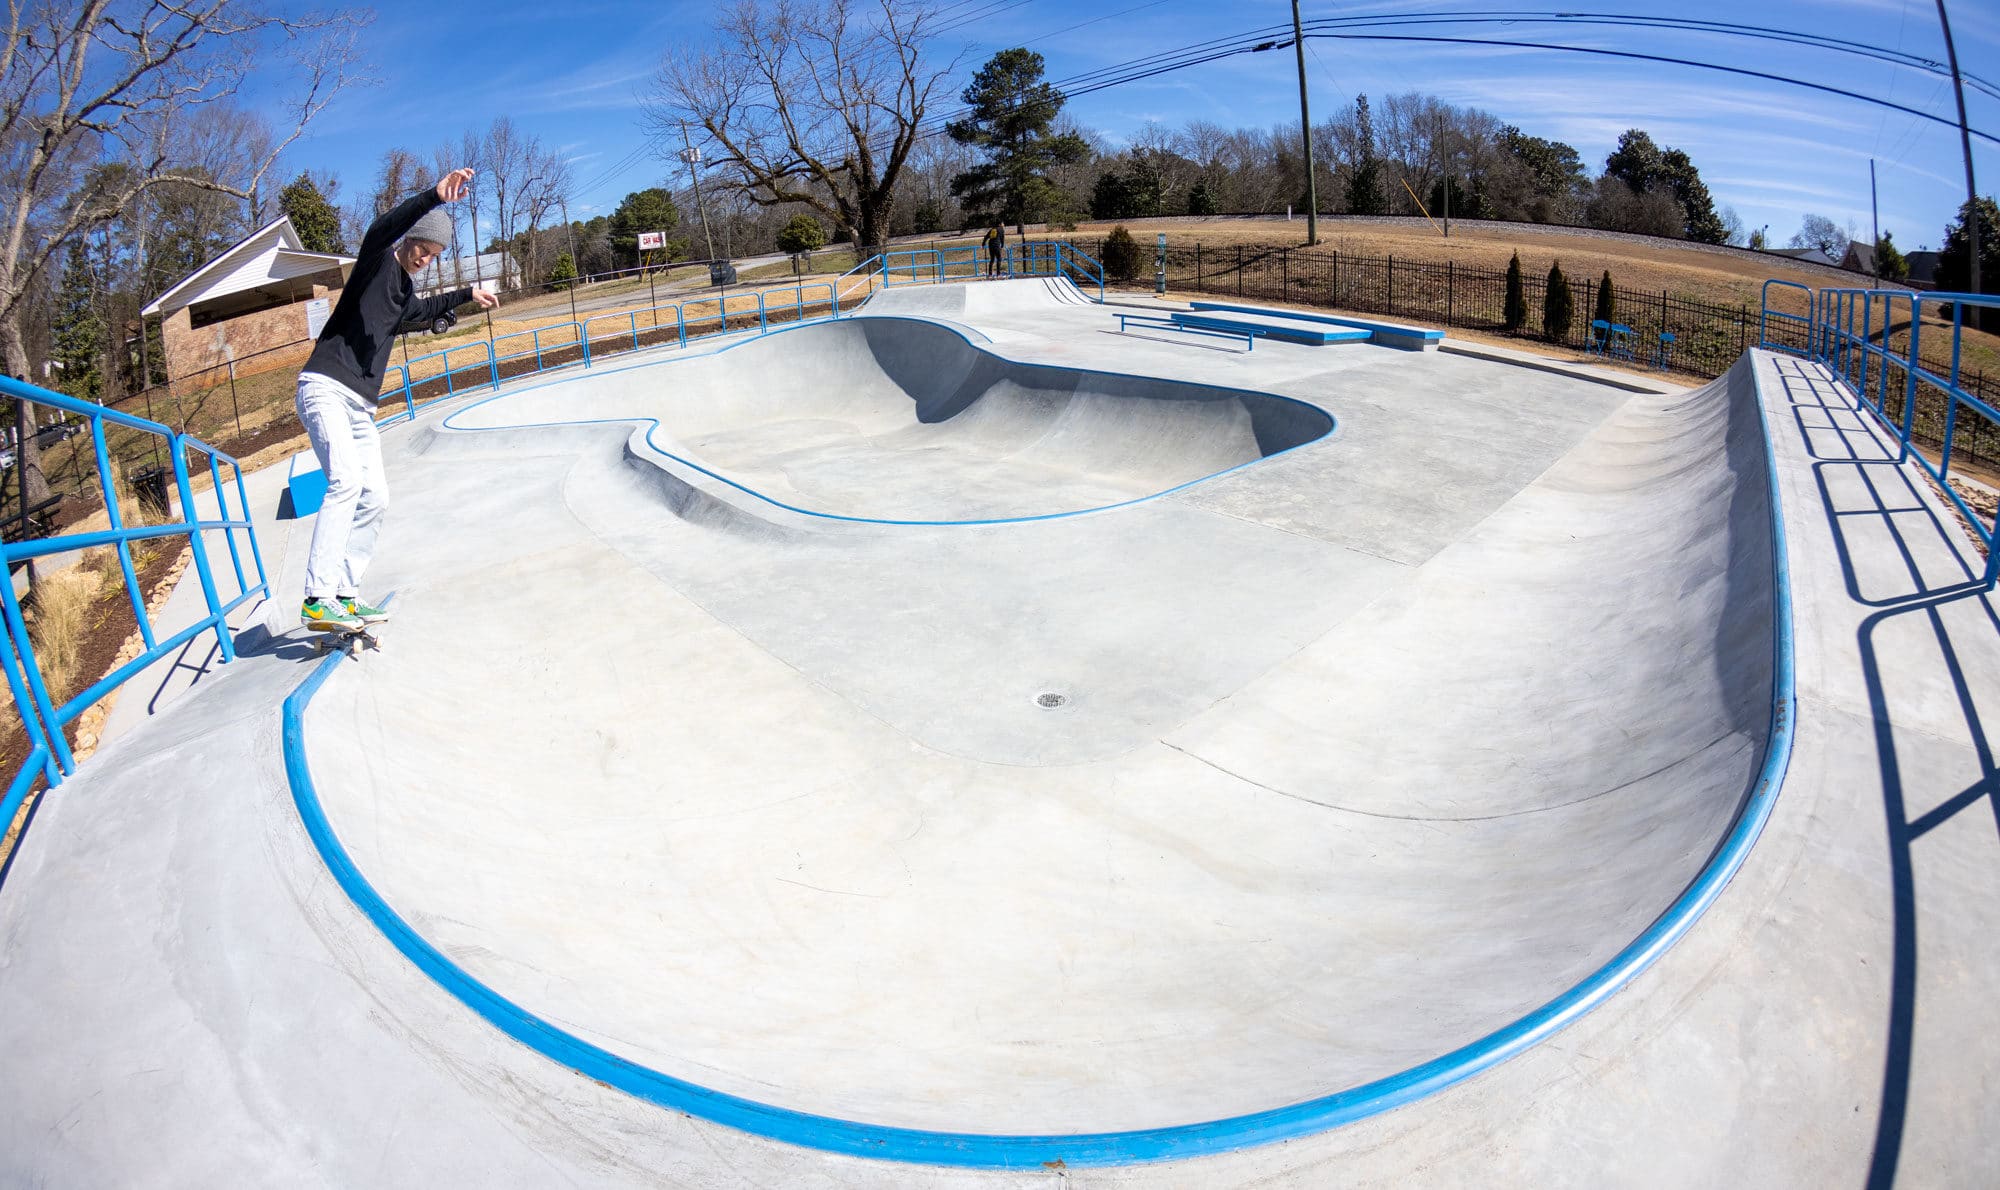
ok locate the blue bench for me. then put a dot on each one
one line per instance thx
(1386, 334)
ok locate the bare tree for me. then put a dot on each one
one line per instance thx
(96, 80)
(504, 156)
(808, 101)
(400, 175)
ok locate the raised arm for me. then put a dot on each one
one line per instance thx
(392, 224)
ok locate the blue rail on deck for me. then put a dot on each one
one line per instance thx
(49, 758)
(1852, 332)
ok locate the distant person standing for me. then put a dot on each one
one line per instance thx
(338, 390)
(996, 247)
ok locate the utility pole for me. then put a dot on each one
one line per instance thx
(1965, 144)
(575, 268)
(1874, 225)
(692, 155)
(1306, 130)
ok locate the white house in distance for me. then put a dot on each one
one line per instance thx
(266, 292)
(494, 272)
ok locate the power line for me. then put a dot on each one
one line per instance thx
(1897, 57)
(1634, 55)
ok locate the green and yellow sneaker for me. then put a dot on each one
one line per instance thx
(362, 612)
(327, 615)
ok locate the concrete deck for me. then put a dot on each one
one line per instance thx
(1370, 745)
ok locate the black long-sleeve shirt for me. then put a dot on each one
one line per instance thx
(354, 345)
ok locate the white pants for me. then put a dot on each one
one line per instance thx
(348, 444)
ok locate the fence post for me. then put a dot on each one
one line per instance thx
(1284, 272)
(1335, 287)
(235, 409)
(1390, 286)
(1450, 287)
(1239, 270)
(1198, 288)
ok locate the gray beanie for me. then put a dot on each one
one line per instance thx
(435, 226)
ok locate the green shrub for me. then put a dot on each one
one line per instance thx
(1515, 314)
(1120, 255)
(1558, 306)
(563, 273)
(1201, 199)
(1607, 301)
(801, 234)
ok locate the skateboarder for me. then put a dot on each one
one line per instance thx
(339, 386)
(996, 245)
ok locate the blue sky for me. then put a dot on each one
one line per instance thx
(572, 74)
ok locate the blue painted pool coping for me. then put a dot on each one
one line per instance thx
(653, 424)
(989, 1150)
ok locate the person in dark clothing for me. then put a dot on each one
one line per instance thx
(339, 386)
(996, 246)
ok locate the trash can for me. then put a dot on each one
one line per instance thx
(721, 272)
(150, 484)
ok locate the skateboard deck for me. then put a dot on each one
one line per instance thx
(349, 640)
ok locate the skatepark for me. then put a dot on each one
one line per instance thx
(961, 743)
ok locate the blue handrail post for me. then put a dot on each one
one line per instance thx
(31, 721)
(1867, 339)
(492, 364)
(17, 631)
(1910, 385)
(228, 534)
(583, 337)
(256, 555)
(200, 548)
(124, 547)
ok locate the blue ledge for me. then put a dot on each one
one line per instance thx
(1387, 334)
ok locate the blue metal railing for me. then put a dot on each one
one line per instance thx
(1852, 332)
(916, 266)
(568, 344)
(49, 758)
(937, 266)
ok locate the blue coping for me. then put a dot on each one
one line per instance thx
(1180, 1141)
(1312, 336)
(1393, 334)
(652, 426)
(307, 484)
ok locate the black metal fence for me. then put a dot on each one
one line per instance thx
(1707, 336)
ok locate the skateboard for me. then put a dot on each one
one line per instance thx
(348, 640)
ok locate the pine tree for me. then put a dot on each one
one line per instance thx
(1364, 180)
(79, 331)
(1515, 312)
(1558, 306)
(1607, 301)
(1201, 199)
(1011, 121)
(1954, 266)
(651, 209)
(563, 272)
(313, 215)
(1889, 263)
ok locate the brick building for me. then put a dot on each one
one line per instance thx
(265, 293)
